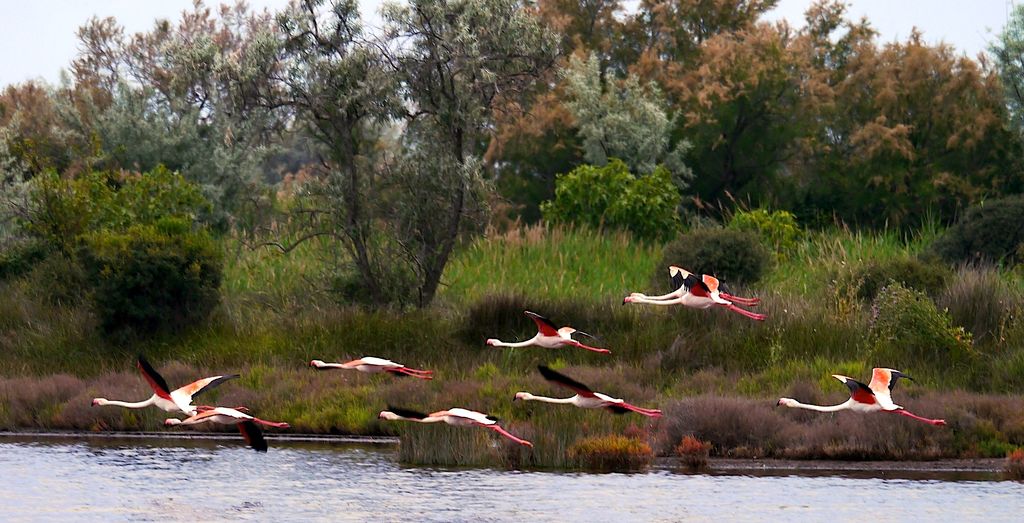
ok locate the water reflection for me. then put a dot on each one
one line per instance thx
(208, 480)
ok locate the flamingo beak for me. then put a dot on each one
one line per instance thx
(778, 403)
(95, 402)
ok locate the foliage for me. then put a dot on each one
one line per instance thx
(611, 452)
(1008, 52)
(731, 255)
(979, 300)
(693, 453)
(778, 229)
(611, 196)
(908, 329)
(153, 277)
(867, 279)
(989, 232)
(16, 260)
(627, 122)
(1014, 467)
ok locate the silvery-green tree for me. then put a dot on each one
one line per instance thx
(1008, 51)
(622, 119)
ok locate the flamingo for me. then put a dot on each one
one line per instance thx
(549, 336)
(584, 398)
(177, 400)
(874, 397)
(373, 365)
(456, 416)
(699, 293)
(248, 425)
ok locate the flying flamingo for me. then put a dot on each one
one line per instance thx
(584, 398)
(457, 417)
(699, 293)
(177, 400)
(874, 397)
(373, 365)
(549, 336)
(249, 426)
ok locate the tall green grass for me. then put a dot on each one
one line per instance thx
(551, 262)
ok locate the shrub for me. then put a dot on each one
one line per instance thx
(1014, 466)
(979, 300)
(20, 258)
(907, 328)
(868, 278)
(731, 255)
(989, 232)
(777, 229)
(611, 452)
(153, 277)
(693, 453)
(611, 196)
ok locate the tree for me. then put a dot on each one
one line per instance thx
(1008, 52)
(626, 121)
(398, 204)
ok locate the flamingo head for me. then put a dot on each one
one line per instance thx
(628, 299)
(522, 396)
(172, 421)
(493, 342)
(316, 363)
(786, 402)
(388, 415)
(98, 402)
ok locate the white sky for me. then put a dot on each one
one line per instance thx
(37, 37)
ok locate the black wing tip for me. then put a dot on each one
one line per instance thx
(253, 436)
(151, 372)
(406, 413)
(561, 379)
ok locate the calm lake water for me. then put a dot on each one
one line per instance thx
(202, 481)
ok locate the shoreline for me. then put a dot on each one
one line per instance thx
(716, 465)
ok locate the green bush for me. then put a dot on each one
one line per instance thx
(611, 196)
(153, 277)
(908, 330)
(869, 277)
(777, 229)
(20, 258)
(980, 300)
(990, 232)
(731, 255)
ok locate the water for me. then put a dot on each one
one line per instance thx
(203, 481)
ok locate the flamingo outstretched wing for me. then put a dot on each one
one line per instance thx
(544, 325)
(155, 380)
(253, 435)
(566, 381)
(860, 392)
(407, 413)
(200, 386)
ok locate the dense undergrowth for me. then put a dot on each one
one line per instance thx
(715, 374)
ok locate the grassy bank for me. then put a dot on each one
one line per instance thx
(715, 374)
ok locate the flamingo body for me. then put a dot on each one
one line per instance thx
(372, 365)
(585, 398)
(549, 336)
(874, 397)
(248, 425)
(697, 293)
(177, 400)
(457, 417)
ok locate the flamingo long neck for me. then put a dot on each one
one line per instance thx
(655, 301)
(678, 293)
(822, 408)
(136, 405)
(332, 366)
(513, 345)
(546, 399)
